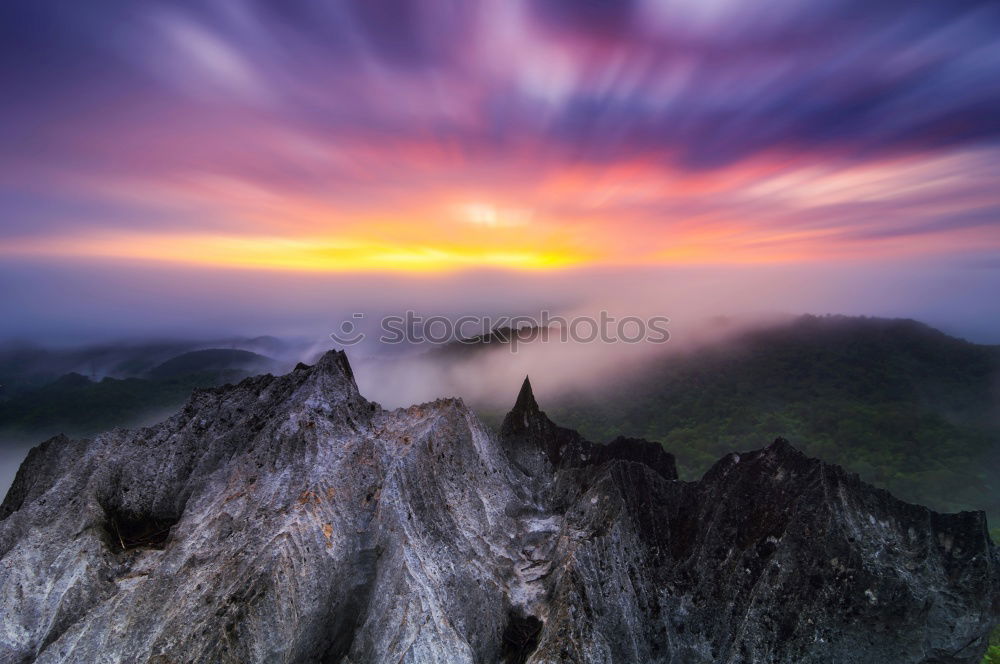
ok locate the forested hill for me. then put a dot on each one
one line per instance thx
(78, 405)
(909, 408)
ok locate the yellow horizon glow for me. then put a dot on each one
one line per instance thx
(312, 254)
(339, 255)
(579, 216)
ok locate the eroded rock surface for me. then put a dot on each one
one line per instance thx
(289, 520)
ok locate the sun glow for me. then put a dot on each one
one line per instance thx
(314, 254)
(635, 213)
(490, 216)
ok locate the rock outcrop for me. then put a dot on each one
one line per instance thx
(290, 520)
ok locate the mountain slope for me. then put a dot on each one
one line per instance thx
(289, 520)
(907, 407)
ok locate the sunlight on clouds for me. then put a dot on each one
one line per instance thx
(205, 63)
(484, 214)
(891, 180)
(635, 213)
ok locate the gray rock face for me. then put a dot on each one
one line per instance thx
(289, 520)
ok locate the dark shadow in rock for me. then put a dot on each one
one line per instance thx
(125, 531)
(520, 638)
(344, 619)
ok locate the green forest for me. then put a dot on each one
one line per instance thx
(905, 406)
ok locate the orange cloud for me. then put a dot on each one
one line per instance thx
(639, 212)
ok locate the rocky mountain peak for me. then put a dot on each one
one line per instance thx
(332, 374)
(336, 362)
(525, 414)
(287, 519)
(526, 398)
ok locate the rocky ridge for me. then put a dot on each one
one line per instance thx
(287, 519)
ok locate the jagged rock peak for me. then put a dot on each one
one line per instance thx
(330, 360)
(336, 361)
(331, 376)
(526, 398)
(333, 363)
(525, 414)
(286, 519)
(531, 438)
(535, 444)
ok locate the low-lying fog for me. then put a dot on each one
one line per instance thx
(203, 309)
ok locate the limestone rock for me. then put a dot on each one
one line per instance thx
(290, 520)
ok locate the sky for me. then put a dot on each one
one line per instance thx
(266, 167)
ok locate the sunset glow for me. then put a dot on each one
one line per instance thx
(638, 213)
(518, 135)
(554, 141)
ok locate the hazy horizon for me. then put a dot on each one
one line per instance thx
(70, 305)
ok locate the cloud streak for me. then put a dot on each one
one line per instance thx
(513, 133)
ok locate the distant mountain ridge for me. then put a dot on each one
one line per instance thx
(27, 366)
(213, 359)
(907, 406)
(77, 405)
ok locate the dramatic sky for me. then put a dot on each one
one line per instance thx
(198, 162)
